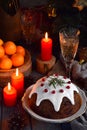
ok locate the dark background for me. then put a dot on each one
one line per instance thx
(10, 28)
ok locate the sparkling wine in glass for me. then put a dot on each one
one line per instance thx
(69, 41)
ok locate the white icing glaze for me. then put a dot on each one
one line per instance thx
(54, 94)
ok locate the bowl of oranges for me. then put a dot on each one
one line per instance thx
(13, 56)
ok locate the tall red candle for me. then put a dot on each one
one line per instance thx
(46, 48)
(9, 95)
(17, 81)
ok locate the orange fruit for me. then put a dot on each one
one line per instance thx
(5, 56)
(21, 50)
(6, 63)
(10, 48)
(1, 42)
(17, 59)
(2, 52)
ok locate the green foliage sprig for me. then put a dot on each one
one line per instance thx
(56, 81)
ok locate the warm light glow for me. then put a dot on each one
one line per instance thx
(46, 35)
(9, 86)
(17, 71)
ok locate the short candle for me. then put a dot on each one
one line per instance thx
(17, 81)
(9, 95)
(46, 48)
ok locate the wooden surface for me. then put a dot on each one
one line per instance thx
(30, 122)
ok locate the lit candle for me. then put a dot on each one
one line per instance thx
(17, 81)
(46, 48)
(9, 95)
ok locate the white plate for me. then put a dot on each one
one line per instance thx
(68, 119)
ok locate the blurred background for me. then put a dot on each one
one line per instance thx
(47, 15)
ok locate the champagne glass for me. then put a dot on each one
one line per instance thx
(69, 41)
(28, 25)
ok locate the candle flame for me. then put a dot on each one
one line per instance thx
(46, 35)
(9, 86)
(17, 71)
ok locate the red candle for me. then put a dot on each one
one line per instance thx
(9, 95)
(46, 48)
(17, 81)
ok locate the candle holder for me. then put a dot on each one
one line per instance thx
(44, 67)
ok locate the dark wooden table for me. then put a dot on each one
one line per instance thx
(11, 115)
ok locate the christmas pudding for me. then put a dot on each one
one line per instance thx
(54, 97)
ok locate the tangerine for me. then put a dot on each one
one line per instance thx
(17, 59)
(5, 56)
(21, 50)
(6, 63)
(1, 42)
(2, 52)
(10, 48)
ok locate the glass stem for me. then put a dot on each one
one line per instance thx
(68, 70)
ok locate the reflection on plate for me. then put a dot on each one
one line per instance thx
(68, 119)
